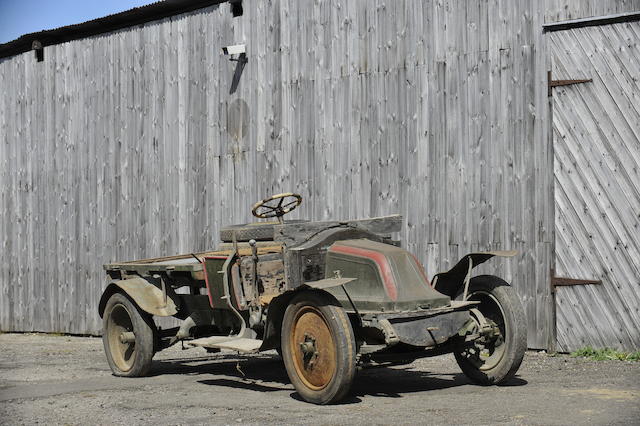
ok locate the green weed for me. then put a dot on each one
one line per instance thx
(606, 354)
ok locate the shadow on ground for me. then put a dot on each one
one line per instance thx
(267, 374)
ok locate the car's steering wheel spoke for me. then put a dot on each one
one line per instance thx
(266, 209)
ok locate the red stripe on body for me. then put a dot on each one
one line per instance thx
(380, 260)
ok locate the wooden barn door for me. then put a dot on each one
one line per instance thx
(596, 137)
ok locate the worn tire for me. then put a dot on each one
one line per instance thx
(494, 292)
(132, 359)
(317, 316)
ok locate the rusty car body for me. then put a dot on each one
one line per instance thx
(329, 296)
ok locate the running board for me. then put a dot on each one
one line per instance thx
(240, 344)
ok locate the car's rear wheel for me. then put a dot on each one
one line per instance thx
(318, 347)
(128, 337)
(496, 355)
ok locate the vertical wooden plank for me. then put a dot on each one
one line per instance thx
(367, 108)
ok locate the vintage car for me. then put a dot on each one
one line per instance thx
(328, 296)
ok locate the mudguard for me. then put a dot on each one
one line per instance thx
(278, 305)
(147, 296)
(451, 282)
(328, 283)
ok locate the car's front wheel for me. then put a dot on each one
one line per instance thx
(495, 355)
(318, 347)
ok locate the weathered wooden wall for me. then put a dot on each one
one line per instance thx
(597, 185)
(120, 146)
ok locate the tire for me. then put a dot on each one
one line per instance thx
(499, 305)
(323, 371)
(131, 359)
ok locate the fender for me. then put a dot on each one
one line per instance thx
(147, 296)
(328, 283)
(451, 282)
(278, 305)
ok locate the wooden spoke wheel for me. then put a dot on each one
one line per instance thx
(128, 337)
(318, 347)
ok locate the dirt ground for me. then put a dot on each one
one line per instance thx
(66, 380)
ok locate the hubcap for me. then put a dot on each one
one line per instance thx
(313, 349)
(121, 338)
(487, 351)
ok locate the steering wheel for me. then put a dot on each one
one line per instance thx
(276, 206)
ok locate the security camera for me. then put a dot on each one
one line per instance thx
(236, 49)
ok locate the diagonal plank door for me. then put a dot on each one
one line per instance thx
(596, 135)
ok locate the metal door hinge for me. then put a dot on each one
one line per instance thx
(563, 281)
(557, 83)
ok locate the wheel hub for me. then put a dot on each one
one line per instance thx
(309, 350)
(313, 349)
(484, 345)
(127, 337)
(121, 338)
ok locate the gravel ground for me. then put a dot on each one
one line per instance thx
(66, 380)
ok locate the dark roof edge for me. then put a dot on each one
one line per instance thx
(128, 18)
(592, 22)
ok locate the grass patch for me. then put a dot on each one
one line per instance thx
(606, 354)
